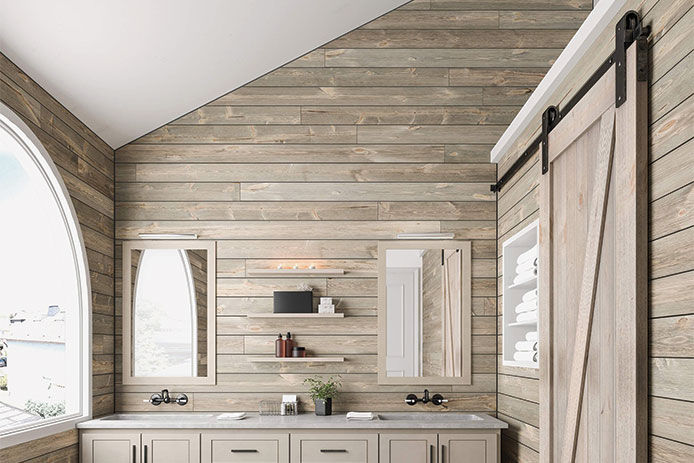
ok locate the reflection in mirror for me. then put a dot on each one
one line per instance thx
(165, 329)
(425, 302)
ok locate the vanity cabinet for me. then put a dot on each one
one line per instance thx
(472, 447)
(317, 447)
(110, 447)
(408, 448)
(246, 447)
(170, 447)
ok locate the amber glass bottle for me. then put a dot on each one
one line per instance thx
(288, 345)
(280, 346)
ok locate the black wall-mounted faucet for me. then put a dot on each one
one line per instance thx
(163, 397)
(436, 399)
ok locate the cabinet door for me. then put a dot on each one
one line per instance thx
(238, 446)
(469, 448)
(110, 447)
(408, 448)
(170, 447)
(334, 448)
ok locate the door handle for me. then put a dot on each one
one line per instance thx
(145, 454)
(443, 453)
(134, 453)
(243, 451)
(333, 450)
(431, 453)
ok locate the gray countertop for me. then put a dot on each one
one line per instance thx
(389, 420)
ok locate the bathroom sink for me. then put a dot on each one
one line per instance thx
(159, 417)
(428, 417)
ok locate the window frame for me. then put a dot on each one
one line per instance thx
(34, 149)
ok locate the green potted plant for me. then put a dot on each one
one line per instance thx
(323, 392)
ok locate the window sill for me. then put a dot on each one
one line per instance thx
(39, 431)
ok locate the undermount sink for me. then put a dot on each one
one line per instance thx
(428, 417)
(159, 416)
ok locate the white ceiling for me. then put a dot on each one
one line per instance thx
(127, 67)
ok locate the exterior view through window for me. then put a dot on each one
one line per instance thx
(41, 293)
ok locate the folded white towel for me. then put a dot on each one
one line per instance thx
(527, 316)
(530, 295)
(528, 255)
(360, 416)
(524, 267)
(526, 346)
(525, 276)
(526, 306)
(531, 336)
(525, 356)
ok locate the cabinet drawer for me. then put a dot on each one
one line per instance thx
(348, 448)
(256, 448)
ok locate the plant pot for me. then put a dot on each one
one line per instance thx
(324, 407)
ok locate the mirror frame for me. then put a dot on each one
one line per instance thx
(210, 247)
(466, 305)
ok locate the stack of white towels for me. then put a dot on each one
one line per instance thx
(526, 351)
(526, 311)
(526, 266)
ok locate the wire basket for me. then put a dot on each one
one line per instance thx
(269, 407)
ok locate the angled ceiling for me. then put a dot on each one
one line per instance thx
(127, 67)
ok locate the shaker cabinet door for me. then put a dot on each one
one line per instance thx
(110, 447)
(408, 448)
(468, 448)
(170, 447)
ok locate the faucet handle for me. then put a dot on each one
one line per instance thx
(438, 399)
(411, 399)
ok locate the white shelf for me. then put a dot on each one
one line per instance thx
(296, 315)
(512, 295)
(296, 271)
(296, 359)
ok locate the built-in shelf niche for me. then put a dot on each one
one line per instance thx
(513, 330)
(295, 315)
(296, 359)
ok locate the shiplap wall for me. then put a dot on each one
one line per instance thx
(86, 165)
(671, 252)
(384, 130)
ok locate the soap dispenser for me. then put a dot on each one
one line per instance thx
(288, 345)
(280, 346)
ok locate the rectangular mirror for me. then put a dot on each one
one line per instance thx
(424, 312)
(169, 312)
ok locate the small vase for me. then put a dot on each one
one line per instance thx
(324, 407)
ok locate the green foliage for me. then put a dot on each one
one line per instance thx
(319, 389)
(45, 409)
(3, 382)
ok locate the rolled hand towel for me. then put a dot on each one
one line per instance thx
(527, 316)
(525, 276)
(360, 416)
(526, 306)
(525, 356)
(531, 336)
(526, 346)
(524, 267)
(528, 255)
(530, 295)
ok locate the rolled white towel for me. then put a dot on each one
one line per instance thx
(528, 255)
(529, 265)
(530, 295)
(527, 316)
(526, 346)
(531, 336)
(526, 306)
(360, 416)
(525, 356)
(525, 276)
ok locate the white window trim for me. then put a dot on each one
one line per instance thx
(25, 137)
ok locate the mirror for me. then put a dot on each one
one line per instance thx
(424, 297)
(169, 312)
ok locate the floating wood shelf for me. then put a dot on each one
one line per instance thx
(528, 323)
(297, 359)
(295, 271)
(295, 315)
(527, 284)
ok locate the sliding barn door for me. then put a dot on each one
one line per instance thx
(593, 285)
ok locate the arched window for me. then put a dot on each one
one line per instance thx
(45, 364)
